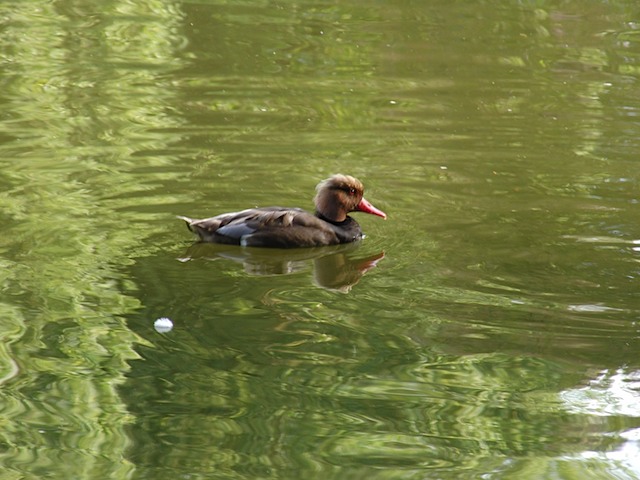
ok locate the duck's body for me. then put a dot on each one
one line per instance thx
(293, 227)
(274, 227)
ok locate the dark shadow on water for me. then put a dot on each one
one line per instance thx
(334, 268)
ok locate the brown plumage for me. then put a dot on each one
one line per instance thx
(281, 227)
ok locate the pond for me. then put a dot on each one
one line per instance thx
(488, 328)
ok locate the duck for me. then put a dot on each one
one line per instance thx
(282, 227)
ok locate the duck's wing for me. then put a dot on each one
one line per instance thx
(278, 227)
(271, 217)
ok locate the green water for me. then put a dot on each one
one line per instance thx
(488, 329)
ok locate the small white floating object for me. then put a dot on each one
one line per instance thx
(163, 325)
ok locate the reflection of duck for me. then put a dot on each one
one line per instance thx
(333, 269)
(339, 272)
(293, 227)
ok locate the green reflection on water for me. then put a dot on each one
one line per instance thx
(69, 127)
(501, 141)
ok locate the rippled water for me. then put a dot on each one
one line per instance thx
(488, 328)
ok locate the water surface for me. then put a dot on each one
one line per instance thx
(488, 328)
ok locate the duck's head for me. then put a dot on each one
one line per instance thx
(340, 194)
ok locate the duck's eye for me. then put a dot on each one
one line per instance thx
(352, 191)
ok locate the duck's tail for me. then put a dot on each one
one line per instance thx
(188, 221)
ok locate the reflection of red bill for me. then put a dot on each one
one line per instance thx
(366, 264)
